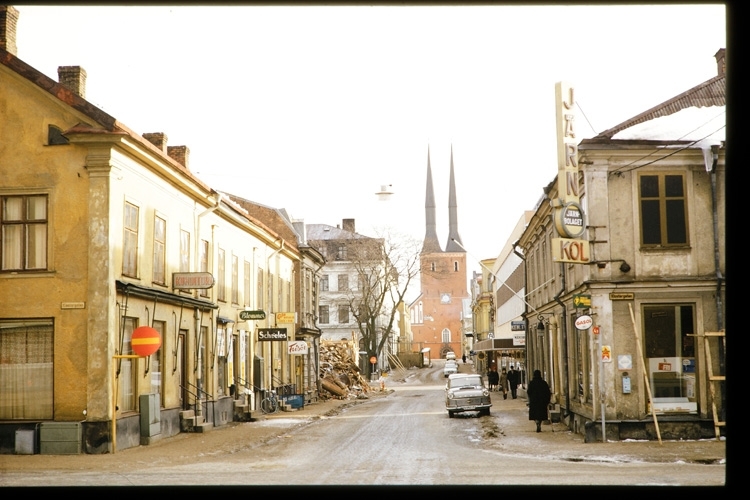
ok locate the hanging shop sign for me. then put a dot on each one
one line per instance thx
(573, 251)
(267, 334)
(581, 300)
(252, 315)
(568, 214)
(583, 322)
(297, 347)
(285, 317)
(189, 281)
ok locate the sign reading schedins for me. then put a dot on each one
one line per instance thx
(272, 334)
(186, 281)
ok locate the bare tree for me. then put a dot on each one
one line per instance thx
(386, 267)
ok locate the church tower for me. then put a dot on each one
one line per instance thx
(436, 313)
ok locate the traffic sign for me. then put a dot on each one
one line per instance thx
(145, 341)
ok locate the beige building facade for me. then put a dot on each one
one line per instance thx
(626, 284)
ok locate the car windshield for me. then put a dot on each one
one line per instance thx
(466, 382)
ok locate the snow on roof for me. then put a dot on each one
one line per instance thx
(704, 125)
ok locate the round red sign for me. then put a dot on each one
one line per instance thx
(145, 341)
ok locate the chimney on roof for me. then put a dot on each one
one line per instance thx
(73, 78)
(158, 139)
(8, 23)
(179, 154)
(720, 62)
(348, 225)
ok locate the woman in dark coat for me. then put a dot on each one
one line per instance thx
(492, 378)
(539, 394)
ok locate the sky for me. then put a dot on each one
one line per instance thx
(314, 108)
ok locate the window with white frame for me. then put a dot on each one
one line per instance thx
(235, 279)
(130, 241)
(324, 283)
(184, 251)
(221, 279)
(203, 257)
(323, 317)
(343, 283)
(160, 250)
(24, 233)
(126, 376)
(343, 314)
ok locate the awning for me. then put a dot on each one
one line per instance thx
(497, 345)
(162, 296)
(469, 334)
(224, 319)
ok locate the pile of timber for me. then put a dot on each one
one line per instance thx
(339, 374)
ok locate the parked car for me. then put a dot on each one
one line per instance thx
(467, 392)
(450, 368)
(450, 355)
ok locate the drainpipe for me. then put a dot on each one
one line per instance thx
(564, 327)
(717, 265)
(270, 304)
(197, 312)
(526, 306)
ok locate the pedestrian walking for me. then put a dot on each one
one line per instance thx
(513, 381)
(464, 358)
(493, 378)
(539, 394)
(504, 383)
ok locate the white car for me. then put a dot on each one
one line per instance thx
(450, 368)
(466, 392)
(450, 355)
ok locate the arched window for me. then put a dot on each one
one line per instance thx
(446, 335)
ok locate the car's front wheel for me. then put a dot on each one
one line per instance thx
(450, 413)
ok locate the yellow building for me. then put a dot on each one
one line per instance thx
(104, 231)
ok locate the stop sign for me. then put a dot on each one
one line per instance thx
(145, 341)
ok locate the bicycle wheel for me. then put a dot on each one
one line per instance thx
(268, 405)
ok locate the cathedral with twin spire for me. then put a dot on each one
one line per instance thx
(436, 313)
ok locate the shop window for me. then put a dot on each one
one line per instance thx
(669, 350)
(26, 369)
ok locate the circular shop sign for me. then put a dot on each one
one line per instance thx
(584, 322)
(569, 220)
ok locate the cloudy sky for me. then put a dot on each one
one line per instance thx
(313, 108)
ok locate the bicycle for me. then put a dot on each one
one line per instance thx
(270, 403)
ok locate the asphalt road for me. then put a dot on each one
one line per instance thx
(400, 437)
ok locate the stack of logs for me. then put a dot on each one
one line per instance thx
(339, 374)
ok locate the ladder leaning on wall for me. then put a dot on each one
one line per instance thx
(713, 380)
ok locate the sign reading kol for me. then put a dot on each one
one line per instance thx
(268, 334)
(297, 347)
